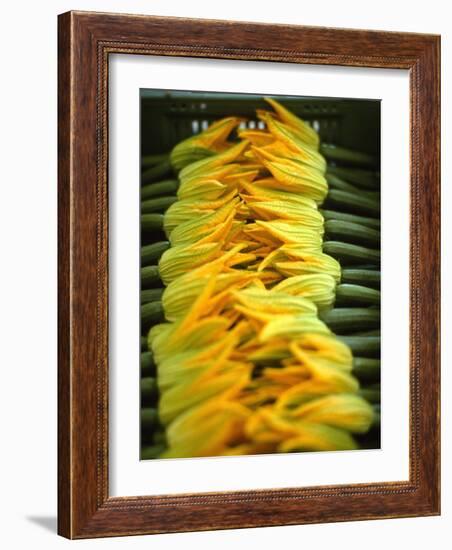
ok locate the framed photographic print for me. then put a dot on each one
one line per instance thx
(248, 275)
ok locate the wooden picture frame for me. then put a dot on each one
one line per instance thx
(86, 40)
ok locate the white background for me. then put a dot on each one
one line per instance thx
(128, 476)
(28, 271)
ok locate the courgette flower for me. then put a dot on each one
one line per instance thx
(210, 141)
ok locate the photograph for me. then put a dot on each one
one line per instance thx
(259, 274)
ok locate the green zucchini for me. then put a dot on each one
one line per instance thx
(335, 182)
(152, 252)
(364, 277)
(356, 295)
(365, 179)
(148, 388)
(152, 451)
(352, 202)
(149, 418)
(348, 319)
(372, 393)
(346, 217)
(147, 364)
(363, 346)
(158, 204)
(183, 156)
(366, 369)
(347, 253)
(160, 437)
(150, 275)
(152, 222)
(347, 156)
(377, 415)
(151, 295)
(339, 230)
(151, 313)
(369, 267)
(144, 343)
(156, 172)
(165, 187)
(374, 332)
(151, 160)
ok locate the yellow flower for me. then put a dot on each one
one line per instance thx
(318, 287)
(177, 260)
(301, 128)
(293, 232)
(324, 350)
(274, 209)
(320, 424)
(214, 383)
(288, 145)
(292, 327)
(263, 300)
(199, 226)
(206, 166)
(164, 340)
(195, 369)
(258, 138)
(207, 430)
(266, 189)
(288, 434)
(180, 294)
(322, 381)
(347, 411)
(203, 188)
(208, 142)
(291, 261)
(188, 209)
(318, 437)
(298, 178)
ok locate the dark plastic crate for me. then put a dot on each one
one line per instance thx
(168, 117)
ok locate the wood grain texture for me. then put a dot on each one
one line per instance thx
(64, 295)
(85, 42)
